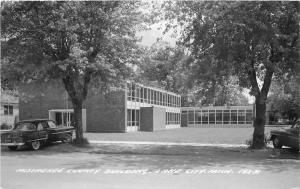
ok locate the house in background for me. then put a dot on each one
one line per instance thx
(9, 107)
(133, 107)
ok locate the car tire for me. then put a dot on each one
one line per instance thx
(276, 143)
(67, 138)
(36, 145)
(13, 148)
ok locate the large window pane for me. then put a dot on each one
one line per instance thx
(219, 117)
(137, 93)
(142, 94)
(133, 118)
(212, 117)
(133, 92)
(249, 116)
(129, 91)
(152, 96)
(145, 95)
(149, 95)
(233, 116)
(241, 116)
(191, 117)
(137, 117)
(226, 116)
(204, 117)
(198, 116)
(128, 117)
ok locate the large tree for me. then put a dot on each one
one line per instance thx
(255, 41)
(78, 42)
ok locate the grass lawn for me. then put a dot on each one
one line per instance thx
(185, 134)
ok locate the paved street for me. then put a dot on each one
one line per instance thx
(137, 166)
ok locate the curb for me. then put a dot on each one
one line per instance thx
(99, 142)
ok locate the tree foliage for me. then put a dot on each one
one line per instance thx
(284, 99)
(78, 42)
(164, 66)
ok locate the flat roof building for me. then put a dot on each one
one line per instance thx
(134, 107)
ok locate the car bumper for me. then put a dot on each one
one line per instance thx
(13, 144)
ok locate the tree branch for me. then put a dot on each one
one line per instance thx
(86, 81)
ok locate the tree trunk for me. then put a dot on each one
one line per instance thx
(259, 124)
(77, 105)
(77, 95)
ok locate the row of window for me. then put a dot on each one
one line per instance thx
(142, 94)
(8, 110)
(219, 116)
(133, 117)
(172, 118)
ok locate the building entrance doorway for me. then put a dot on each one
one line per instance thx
(66, 117)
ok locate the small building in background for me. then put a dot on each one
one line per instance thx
(9, 107)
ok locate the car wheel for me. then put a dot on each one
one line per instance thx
(35, 145)
(67, 138)
(276, 143)
(13, 148)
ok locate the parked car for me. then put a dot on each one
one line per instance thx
(287, 137)
(35, 133)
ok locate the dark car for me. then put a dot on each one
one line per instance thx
(287, 137)
(35, 133)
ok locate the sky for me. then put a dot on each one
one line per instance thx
(150, 36)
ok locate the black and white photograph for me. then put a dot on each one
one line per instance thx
(150, 94)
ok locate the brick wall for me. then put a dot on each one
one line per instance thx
(106, 113)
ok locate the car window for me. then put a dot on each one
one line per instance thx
(25, 127)
(40, 127)
(51, 124)
(45, 125)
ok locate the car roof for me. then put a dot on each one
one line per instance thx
(34, 120)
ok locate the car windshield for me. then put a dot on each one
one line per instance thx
(51, 125)
(25, 127)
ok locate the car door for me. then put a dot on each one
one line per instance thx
(42, 130)
(30, 132)
(52, 131)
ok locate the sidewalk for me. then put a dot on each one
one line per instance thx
(99, 142)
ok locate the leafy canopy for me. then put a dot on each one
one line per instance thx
(80, 40)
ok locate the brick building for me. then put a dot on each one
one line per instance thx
(133, 107)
